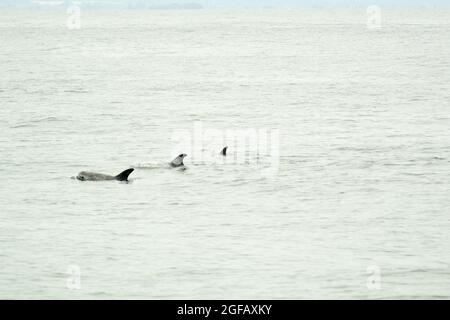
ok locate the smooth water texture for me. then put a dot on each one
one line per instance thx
(358, 207)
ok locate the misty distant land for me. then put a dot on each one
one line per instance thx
(131, 4)
(206, 4)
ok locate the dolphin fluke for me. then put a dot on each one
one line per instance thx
(123, 176)
(224, 151)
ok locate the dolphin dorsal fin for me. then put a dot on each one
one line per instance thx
(123, 176)
(224, 151)
(178, 161)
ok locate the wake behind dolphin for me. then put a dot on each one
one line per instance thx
(175, 163)
(92, 176)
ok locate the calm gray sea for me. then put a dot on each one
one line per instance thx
(359, 203)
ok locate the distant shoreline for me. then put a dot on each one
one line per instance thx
(132, 5)
(142, 5)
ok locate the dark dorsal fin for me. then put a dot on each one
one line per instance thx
(124, 175)
(224, 151)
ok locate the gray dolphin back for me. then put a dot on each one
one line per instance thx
(123, 176)
(92, 176)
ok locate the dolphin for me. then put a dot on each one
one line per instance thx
(178, 161)
(92, 176)
(224, 151)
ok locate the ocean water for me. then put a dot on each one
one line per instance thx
(357, 205)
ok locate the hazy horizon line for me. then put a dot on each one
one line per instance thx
(216, 4)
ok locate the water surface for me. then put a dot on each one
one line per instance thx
(364, 154)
